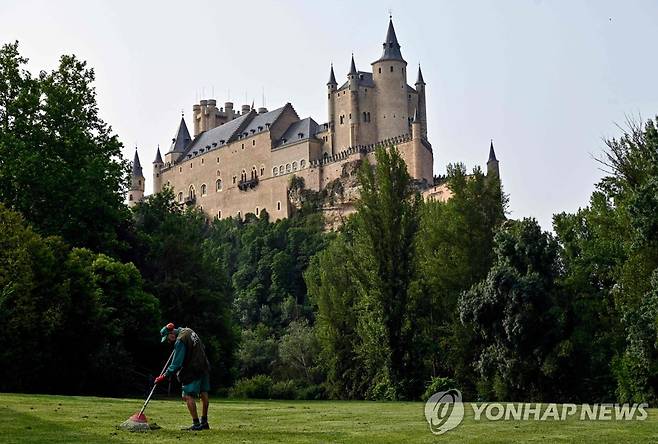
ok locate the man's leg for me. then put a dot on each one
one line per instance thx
(191, 406)
(204, 404)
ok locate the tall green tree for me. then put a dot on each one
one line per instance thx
(60, 166)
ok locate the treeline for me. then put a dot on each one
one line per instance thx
(407, 298)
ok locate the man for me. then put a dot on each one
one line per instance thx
(192, 369)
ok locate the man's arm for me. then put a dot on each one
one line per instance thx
(177, 361)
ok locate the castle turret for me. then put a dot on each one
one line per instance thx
(179, 142)
(136, 192)
(158, 164)
(421, 108)
(390, 77)
(331, 100)
(353, 78)
(492, 163)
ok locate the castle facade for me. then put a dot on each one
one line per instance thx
(242, 161)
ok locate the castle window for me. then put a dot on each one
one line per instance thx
(180, 196)
(253, 143)
(302, 164)
(219, 214)
(243, 146)
(203, 189)
(380, 70)
(130, 197)
(180, 169)
(287, 168)
(341, 119)
(361, 76)
(275, 171)
(243, 175)
(139, 182)
(234, 179)
(239, 215)
(192, 193)
(191, 164)
(254, 173)
(300, 135)
(280, 169)
(262, 170)
(365, 117)
(218, 185)
(409, 96)
(278, 205)
(218, 173)
(350, 116)
(294, 166)
(257, 211)
(201, 161)
(391, 69)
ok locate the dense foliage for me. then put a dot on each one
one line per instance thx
(407, 298)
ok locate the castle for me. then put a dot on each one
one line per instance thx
(240, 162)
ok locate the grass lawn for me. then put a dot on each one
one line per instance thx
(64, 419)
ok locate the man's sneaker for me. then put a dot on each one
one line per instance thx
(205, 426)
(194, 427)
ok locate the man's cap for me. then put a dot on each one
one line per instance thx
(164, 331)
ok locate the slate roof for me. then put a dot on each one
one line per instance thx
(306, 127)
(214, 136)
(365, 79)
(158, 157)
(391, 45)
(332, 77)
(492, 153)
(260, 121)
(181, 139)
(137, 167)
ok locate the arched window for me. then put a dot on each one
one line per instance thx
(180, 196)
(278, 206)
(243, 175)
(287, 168)
(254, 173)
(275, 171)
(302, 164)
(203, 189)
(218, 185)
(192, 193)
(341, 119)
(262, 170)
(130, 197)
(219, 214)
(257, 211)
(280, 169)
(294, 166)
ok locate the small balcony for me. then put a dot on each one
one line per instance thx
(244, 185)
(190, 200)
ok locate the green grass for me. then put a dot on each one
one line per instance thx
(63, 419)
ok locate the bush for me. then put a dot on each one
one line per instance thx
(312, 393)
(438, 384)
(257, 387)
(284, 390)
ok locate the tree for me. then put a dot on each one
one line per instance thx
(517, 314)
(61, 165)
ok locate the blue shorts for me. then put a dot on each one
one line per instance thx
(197, 386)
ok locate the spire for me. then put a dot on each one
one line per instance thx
(492, 153)
(332, 77)
(391, 45)
(181, 139)
(137, 167)
(158, 157)
(420, 80)
(352, 67)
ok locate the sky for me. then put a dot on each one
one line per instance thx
(547, 80)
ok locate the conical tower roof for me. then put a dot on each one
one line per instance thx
(332, 77)
(353, 67)
(137, 167)
(181, 139)
(391, 45)
(419, 79)
(158, 157)
(492, 153)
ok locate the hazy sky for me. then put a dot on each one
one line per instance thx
(547, 80)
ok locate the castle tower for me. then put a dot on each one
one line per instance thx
(179, 142)
(492, 163)
(158, 164)
(136, 192)
(331, 100)
(389, 73)
(421, 109)
(353, 78)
